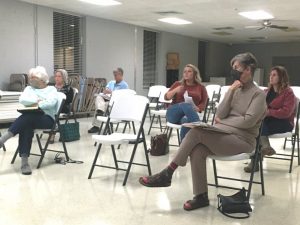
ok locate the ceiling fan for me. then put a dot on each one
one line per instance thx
(265, 24)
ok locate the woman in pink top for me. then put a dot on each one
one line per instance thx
(180, 111)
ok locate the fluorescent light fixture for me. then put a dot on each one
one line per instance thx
(102, 2)
(257, 15)
(174, 20)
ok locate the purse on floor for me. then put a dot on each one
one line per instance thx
(69, 131)
(159, 145)
(234, 204)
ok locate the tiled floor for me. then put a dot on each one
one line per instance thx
(62, 194)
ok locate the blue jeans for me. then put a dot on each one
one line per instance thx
(24, 125)
(182, 113)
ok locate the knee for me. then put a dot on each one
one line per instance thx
(198, 154)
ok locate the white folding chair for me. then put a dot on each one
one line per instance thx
(56, 128)
(153, 95)
(223, 90)
(213, 92)
(255, 155)
(116, 94)
(160, 110)
(294, 138)
(129, 108)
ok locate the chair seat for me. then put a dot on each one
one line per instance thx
(237, 157)
(161, 112)
(152, 105)
(105, 118)
(114, 138)
(173, 125)
(281, 135)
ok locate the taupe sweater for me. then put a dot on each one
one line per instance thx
(242, 111)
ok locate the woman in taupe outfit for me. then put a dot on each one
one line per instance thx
(239, 115)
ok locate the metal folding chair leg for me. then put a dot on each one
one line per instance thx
(95, 161)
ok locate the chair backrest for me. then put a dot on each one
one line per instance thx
(61, 97)
(74, 100)
(223, 90)
(117, 93)
(18, 82)
(162, 99)
(262, 87)
(212, 89)
(130, 108)
(154, 91)
(296, 90)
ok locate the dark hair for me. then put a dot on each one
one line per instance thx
(245, 59)
(283, 78)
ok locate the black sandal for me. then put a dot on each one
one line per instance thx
(158, 180)
(197, 202)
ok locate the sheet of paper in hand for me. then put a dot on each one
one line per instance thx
(105, 96)
(205, 126)
(188, 99)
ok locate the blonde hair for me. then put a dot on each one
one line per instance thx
(196, 72)
(40, 73)
(64, 75)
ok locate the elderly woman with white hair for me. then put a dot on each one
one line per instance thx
(38, 93)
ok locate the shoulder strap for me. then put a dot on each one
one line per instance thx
(247, 215)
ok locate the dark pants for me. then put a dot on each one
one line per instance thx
(25, 124)
(273, 125)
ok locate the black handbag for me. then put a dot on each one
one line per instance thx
(69, 131)
(237, 203)
(159, 145)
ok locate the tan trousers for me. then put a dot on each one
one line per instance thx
(198, 144)
(100, 104)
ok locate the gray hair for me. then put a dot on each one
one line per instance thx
(245, 59)
(196, 72)
(64, 74)
(40, 73)
(120, 70)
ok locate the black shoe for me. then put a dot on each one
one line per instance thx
(99, 112)
(197, 202)
(161, 179)
(94, 129)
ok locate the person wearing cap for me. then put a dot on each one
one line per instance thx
(101, 101)
(38, 93)
(238, 119)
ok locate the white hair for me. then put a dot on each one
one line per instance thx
(40, 73)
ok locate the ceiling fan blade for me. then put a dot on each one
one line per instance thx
(279, 27)
(261, 28)
(250, 27)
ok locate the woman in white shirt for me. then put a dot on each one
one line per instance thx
(38, 93)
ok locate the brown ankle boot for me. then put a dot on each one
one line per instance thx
(248, 168)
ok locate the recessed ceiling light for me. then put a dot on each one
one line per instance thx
(174, 20)
(102, 2)
(257, 15)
